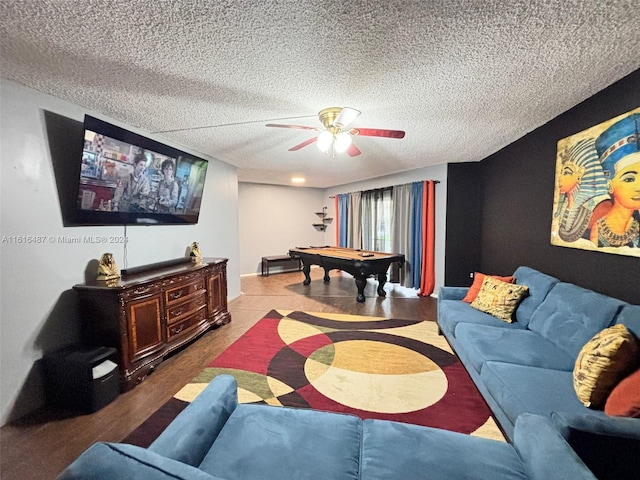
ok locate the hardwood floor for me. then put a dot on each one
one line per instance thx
(43, 444)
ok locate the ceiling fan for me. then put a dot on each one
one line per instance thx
(335, 135)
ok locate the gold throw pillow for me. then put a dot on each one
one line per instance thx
(604, 360)
(499, 298)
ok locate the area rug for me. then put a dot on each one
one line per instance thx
(372, 367)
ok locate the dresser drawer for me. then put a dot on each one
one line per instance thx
(179, 310)
(179, 293)
(185, 325)
(141, 291)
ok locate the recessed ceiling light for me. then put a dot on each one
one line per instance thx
(297, 180)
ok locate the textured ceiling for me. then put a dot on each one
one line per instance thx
(462, 78)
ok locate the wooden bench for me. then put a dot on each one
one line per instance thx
(273, 259)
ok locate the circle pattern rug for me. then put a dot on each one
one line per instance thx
(372, 367)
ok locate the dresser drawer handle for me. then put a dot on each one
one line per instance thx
(177, 294)
(140, 290)
(176, 313)
(177, 330)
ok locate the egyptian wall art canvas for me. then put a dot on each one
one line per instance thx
(597, 193)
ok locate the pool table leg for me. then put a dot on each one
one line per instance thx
(326, 276)
(360, 283)
(306, 269)
(382, 279)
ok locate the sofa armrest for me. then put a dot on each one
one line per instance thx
(452, 293)
(609, 446)
(190, 435)
(544, 453)
(117, 461)
(596, 422)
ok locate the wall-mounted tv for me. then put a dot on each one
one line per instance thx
(128, 179)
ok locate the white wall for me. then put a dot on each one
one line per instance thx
(38, 311)
(275, 218)
(437, 172)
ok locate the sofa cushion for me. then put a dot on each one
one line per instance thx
(602, 362)
(452, 293)
(520, 389)
(117, 461)
(571, 315)
(499, 298)
(484, 343)
(629, 316)
(190, 435)
(624, 400)
(396, 450)
(453, 312)
(539, 286)
(262, 441)
(478, 279)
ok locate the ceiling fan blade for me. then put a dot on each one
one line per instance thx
(301, 127)
(346, 116)
(303, 144)
(353, 151)
(377, 132)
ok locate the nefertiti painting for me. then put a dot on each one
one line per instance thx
(597, 193)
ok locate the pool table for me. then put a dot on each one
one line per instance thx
(359, 263)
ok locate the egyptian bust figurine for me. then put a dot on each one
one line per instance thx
(195, 254)
(107, 269)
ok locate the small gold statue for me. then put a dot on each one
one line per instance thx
(107, 269)
(196, 256)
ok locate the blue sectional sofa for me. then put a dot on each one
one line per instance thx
(526, 367)
(215, 438)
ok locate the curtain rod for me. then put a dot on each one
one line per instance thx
(382, 188)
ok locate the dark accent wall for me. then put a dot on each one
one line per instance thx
(464, 211)
(517, 185)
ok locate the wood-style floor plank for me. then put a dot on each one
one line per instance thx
(41, 445)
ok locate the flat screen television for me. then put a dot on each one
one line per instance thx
(128, 179)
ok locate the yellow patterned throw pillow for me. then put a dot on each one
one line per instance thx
(499, 298)
(604, 360)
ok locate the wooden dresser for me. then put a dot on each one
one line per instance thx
(152, 310)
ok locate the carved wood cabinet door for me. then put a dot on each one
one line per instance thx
(217, 291)
(144, 318)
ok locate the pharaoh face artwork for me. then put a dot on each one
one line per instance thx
(570, 177)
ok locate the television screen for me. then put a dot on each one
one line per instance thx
(128, 179)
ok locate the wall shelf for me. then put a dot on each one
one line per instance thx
(321, 227)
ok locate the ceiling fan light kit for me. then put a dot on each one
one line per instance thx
(324, 141)
(342, 142)
(335, 120)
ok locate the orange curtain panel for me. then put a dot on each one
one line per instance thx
(427, 281)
